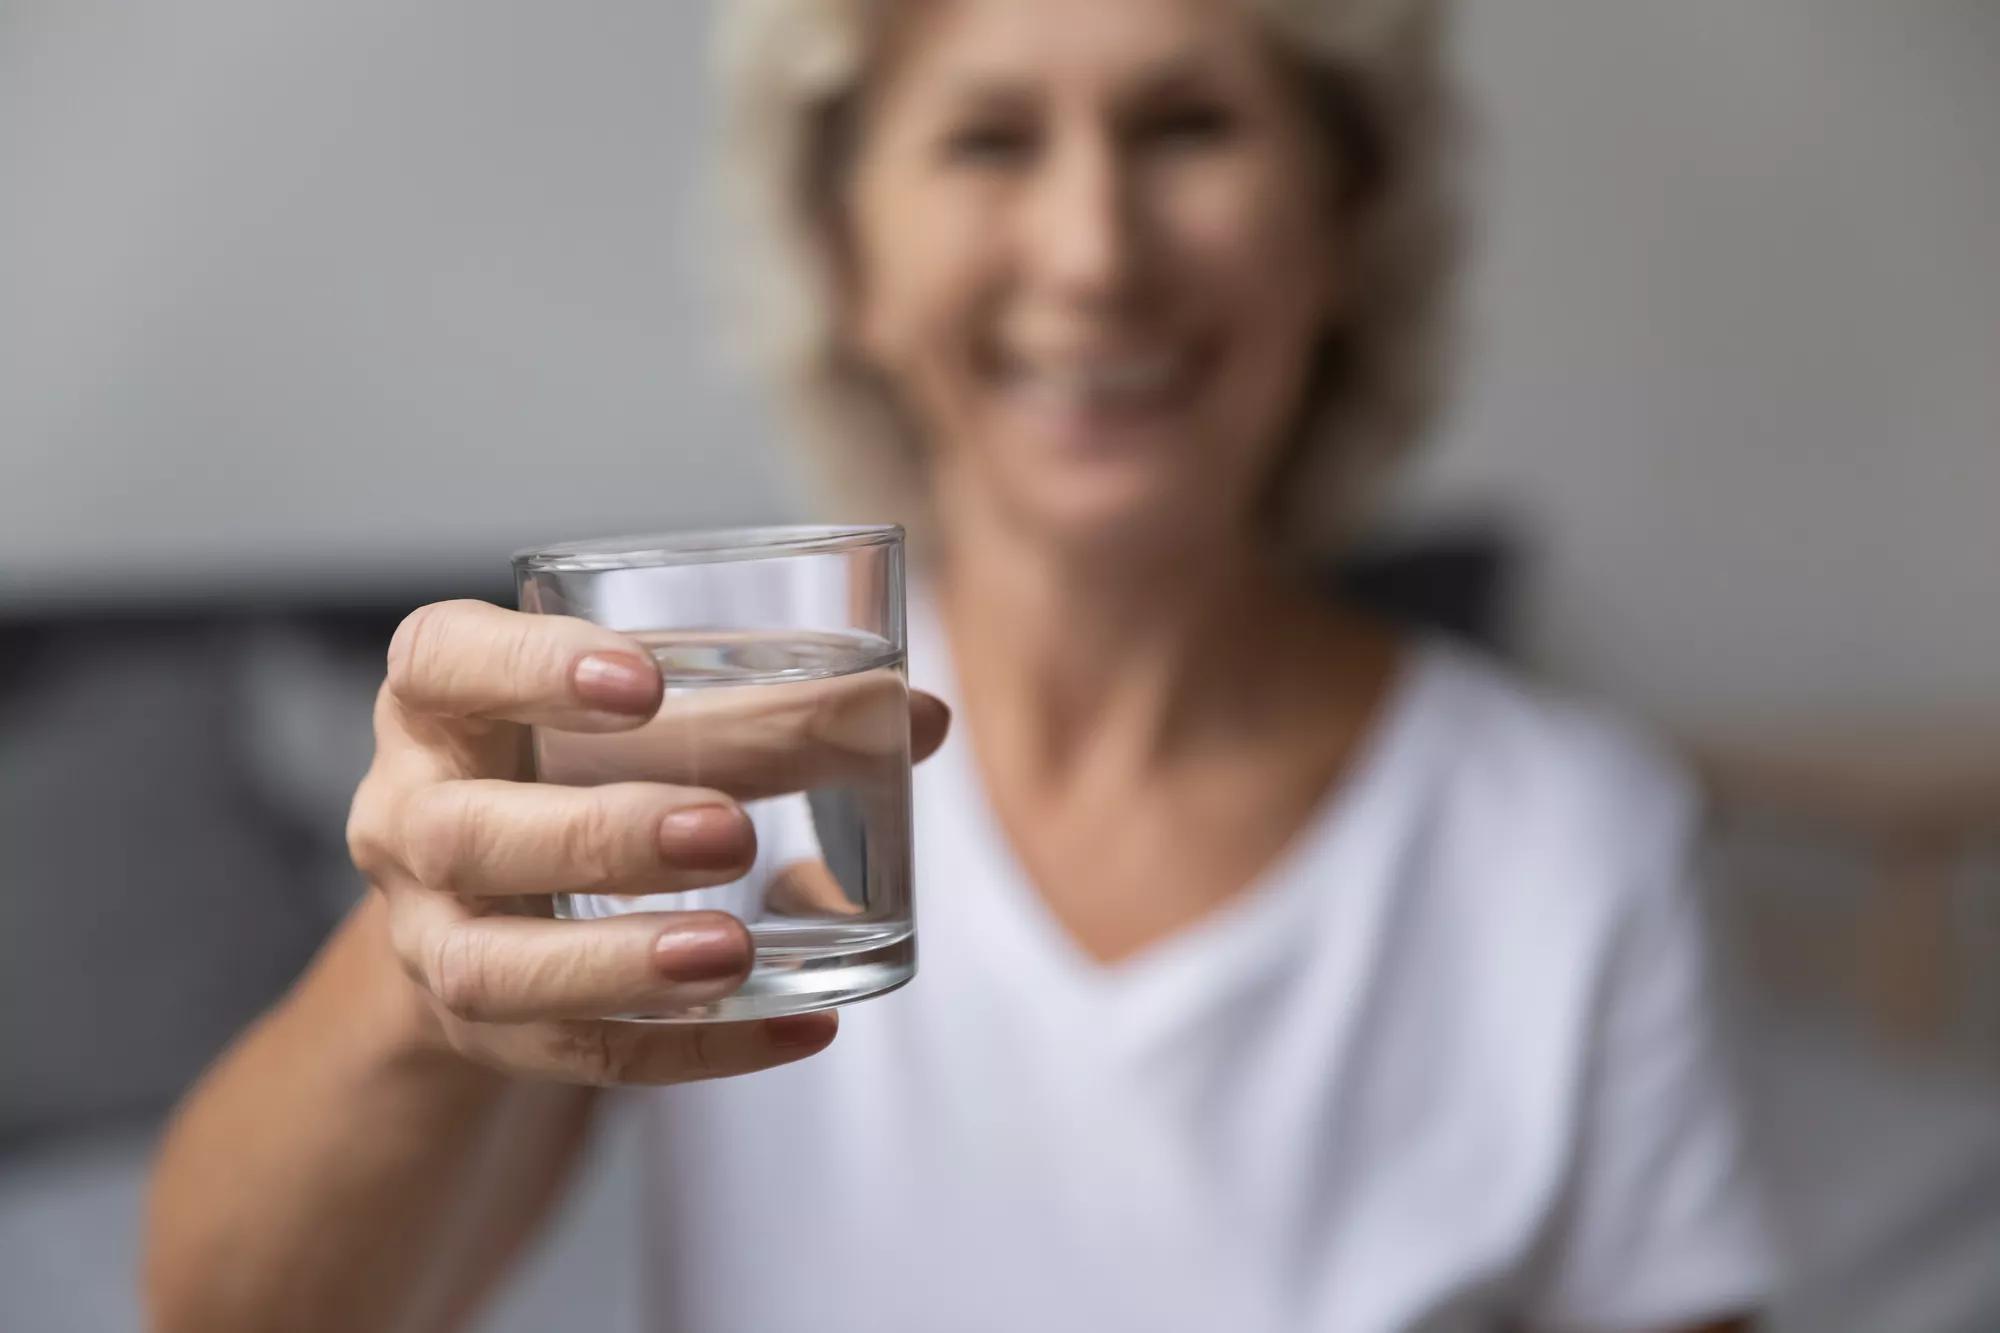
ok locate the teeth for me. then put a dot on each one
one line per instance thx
(1103, 382)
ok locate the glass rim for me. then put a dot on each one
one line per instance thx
(703, 546)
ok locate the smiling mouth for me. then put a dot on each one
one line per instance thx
(1122, 385)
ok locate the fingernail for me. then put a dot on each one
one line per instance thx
(796, 1032)
(700, 952)
(617, 682)
(705, 837)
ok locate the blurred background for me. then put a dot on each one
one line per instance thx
(312, 312)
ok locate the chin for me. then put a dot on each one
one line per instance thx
(1124, 517)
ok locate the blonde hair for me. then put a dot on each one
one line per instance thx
(1373, 71)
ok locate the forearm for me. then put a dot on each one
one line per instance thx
(338, 1169)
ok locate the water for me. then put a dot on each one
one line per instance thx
(810, 731)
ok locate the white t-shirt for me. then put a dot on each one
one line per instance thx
(1447, 1065)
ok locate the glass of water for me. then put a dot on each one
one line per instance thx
(782, 650)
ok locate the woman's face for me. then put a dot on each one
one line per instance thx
(1092, 253)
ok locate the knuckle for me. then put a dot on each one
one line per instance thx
(521, 652)
(440, 833)
(415, 646)
(366, 846)
(619, 1054)
(438, 647)
(459, 968)
(590, 841)
(611, 1054)
(406, 942)
(382, 715)
(594, 1052)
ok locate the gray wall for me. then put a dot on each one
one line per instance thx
(289, 286)
(1737, 345)
(294, 284)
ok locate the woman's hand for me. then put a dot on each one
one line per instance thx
(464, 852)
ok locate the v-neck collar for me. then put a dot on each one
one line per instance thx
(1344, 840)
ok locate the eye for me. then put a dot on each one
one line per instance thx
(991, 144)
(1190, 125)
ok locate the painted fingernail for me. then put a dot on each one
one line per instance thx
(617, 683)
(706, 837)
(801, 1032)
(700, 952)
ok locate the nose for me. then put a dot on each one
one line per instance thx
(1082, 241)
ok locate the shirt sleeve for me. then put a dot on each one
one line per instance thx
(1662, 1225)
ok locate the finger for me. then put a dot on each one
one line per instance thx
(808, 888)
(470, 659)
(512, 969)
(614, 1053)
(756, 743)
(481, 838)
(930, 719)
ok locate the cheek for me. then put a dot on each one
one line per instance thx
(925, 359)
(1268, 268)
(1267, 253)
(923, 267)
(916, 315)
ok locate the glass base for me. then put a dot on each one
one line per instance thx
(798, 979)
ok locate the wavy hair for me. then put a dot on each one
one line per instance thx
(1374, 74)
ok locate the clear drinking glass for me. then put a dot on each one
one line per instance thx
(783, 655)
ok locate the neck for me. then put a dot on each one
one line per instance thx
(1130, 658)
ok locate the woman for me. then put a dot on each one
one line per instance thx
(1279, 973)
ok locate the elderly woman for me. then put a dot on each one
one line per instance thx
(1281, 972)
